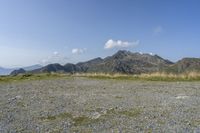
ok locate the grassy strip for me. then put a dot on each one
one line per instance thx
(87, 120)
(191, 76)
(26, 77)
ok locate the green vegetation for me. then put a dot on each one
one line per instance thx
(86, 120)
(26, 77)
(77, 121)
(118, 97)
(21, 104)
(82, 120)
(132, 112)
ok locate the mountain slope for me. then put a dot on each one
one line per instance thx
(50, 68)
(124, 62)
(185, 65)
(90, 66)
(130, 63)
(33, 67)
(19, 71)
(6, 71)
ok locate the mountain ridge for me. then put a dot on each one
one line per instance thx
(7, 71)
(122, 62)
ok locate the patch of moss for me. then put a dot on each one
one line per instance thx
(111, 111)
(85, 120)
(118, 97)
(132, 112)
(65, 115)
(82, 120)
(20, 104)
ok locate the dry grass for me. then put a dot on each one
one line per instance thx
(157, 76)
(171, 76)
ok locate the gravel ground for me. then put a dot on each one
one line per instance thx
(85, 105)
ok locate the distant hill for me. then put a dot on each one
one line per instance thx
(185, 65)
(33, 67)
(50, 68)
(123, 62)
(18, 71)
(7, 71)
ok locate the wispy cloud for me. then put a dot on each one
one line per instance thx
(55, 53)
(110, 44)
(55, 57)
(78, 50)
(157, 30)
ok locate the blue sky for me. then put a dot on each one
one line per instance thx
(47, 31)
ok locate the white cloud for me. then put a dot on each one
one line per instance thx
(158, 30)
(152, 54)
(78, 50)
(120, 44)
(55, 53)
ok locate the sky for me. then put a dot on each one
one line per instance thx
(62, 31)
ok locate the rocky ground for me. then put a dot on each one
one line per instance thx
(86, 105)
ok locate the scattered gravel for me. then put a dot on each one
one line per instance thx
(102, 106)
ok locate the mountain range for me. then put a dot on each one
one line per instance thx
(121, 62)
(7, 71)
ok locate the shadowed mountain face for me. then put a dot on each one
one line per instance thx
(185, 65)
(132, 63)
(16, 72)
(50, 68)
(125, 62)
(90, 66)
